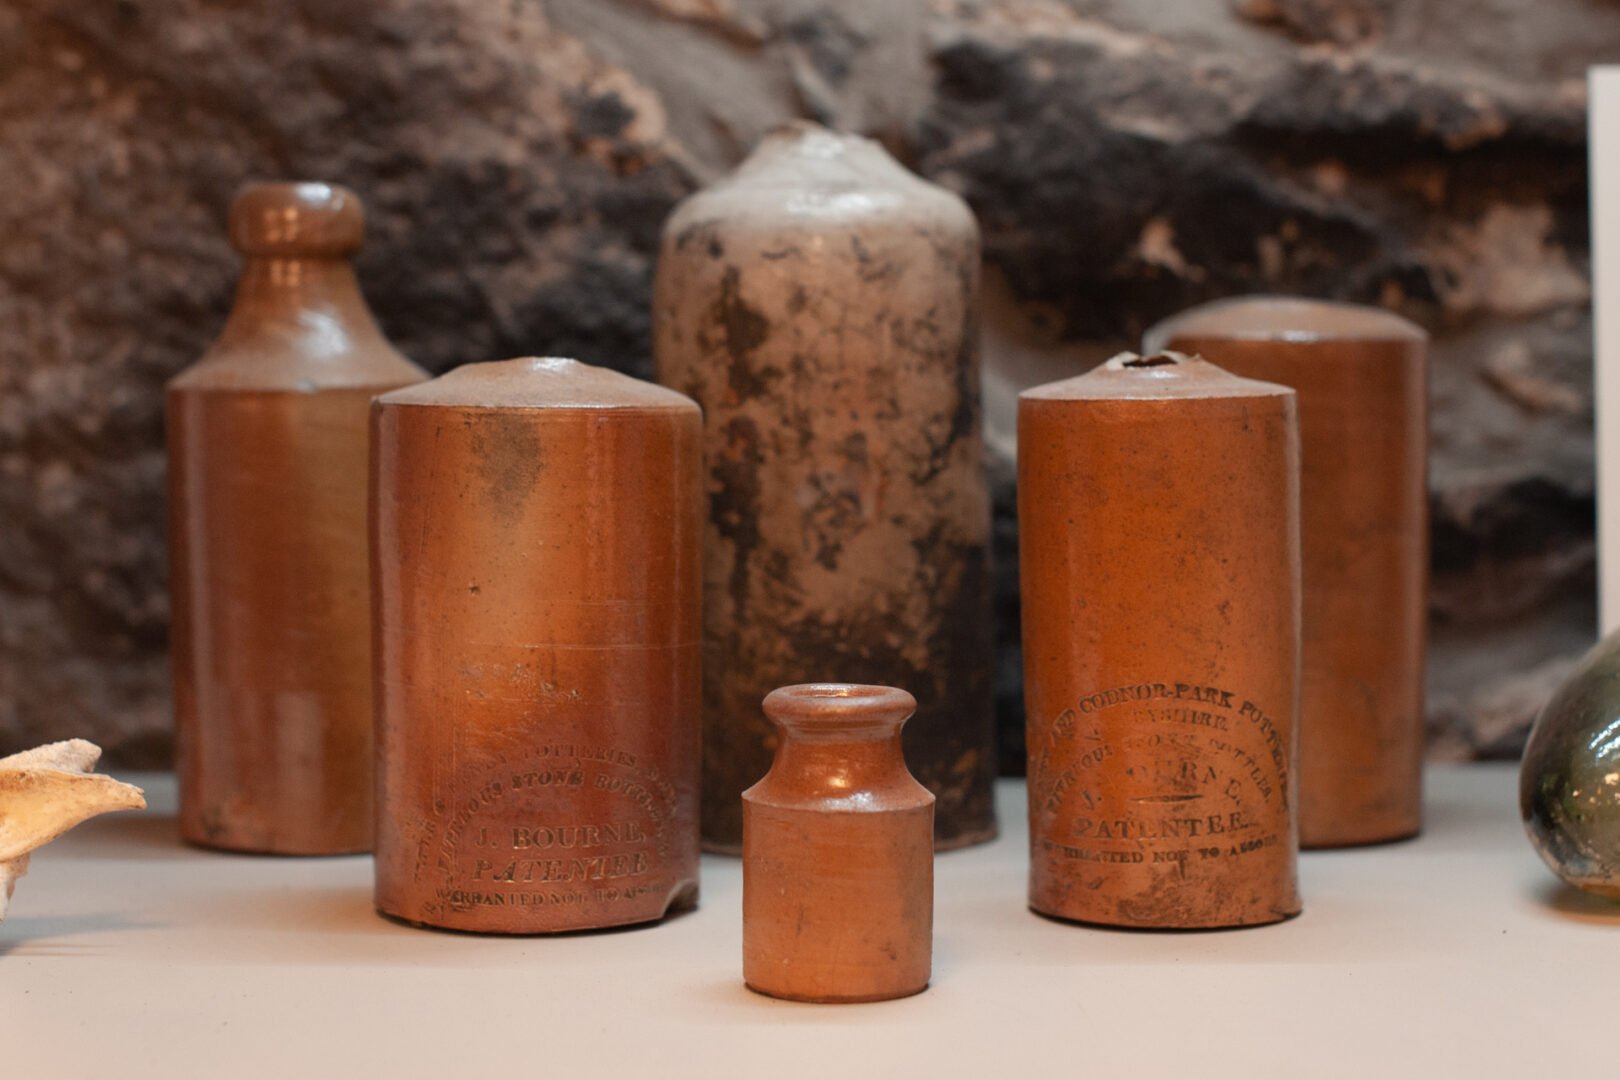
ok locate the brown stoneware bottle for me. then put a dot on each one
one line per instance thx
(267, 538)
(1158, 508)
(535, 546)
(820, 304)
(838, 853)
(1363, 425)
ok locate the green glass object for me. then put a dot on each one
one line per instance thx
(1569, 780)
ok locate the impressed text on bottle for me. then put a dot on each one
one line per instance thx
(1163, 772)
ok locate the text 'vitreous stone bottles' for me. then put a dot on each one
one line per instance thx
(1159, 533)
(838, 852)
(267, 538)
(819, 303)
(1364, 501)
(536, 526)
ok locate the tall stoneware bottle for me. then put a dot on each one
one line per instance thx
(536, 528)
(819, 303)
(838, 852)
(1363, 424)
(1158, 505)
(267, 538)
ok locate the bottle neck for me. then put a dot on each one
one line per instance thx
(318, 299)
(840, 763)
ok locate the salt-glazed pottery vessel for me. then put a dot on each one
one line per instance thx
(838, 852)
(536, 525)
(819, 303)
(1361, 378)
(1569, 780)
(1159, 530)
(267, 538)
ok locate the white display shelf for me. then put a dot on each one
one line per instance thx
(1454, 955)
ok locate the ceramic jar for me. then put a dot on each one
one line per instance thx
(1361, 378)
(838, 853)
(819, 303)
(1159, 533)
(267, 538)
(537, 586)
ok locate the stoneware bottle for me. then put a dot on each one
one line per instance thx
(819, 303)
(1569, 780)
(1159, 533)
(535, 550)
(1363, 423)
(838, 853)
(267, 538)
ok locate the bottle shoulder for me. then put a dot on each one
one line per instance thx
(803, 186)
(544, 382)
(1289, 319)
(893, 794)
(270, 360)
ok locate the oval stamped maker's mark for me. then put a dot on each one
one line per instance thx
(519, 838)
(1197, 772)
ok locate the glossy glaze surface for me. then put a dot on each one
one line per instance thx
(1158, 521)
(535, 548)
(1569, 779)
(819, 303)
(838, 855)
(1361, 377)
(267, 538)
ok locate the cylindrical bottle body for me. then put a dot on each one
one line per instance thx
(820, 306)
(1158, 520)
(271, 636)
(1364, 512)
(837, 906)
(537, 618)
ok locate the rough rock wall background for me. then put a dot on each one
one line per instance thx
(1126, 159)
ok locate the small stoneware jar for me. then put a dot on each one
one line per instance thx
(267, 538)
(838, 852)
(535, 530)
(1361, 378)
(1158, 503)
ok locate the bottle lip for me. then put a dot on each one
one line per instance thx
(1126, 361)
(839, 706)
(299, 219)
